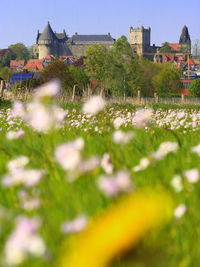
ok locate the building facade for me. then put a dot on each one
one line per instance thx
(60, 44)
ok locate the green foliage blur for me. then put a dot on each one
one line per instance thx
(195, 88)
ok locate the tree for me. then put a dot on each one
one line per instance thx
(96, 63)
(9, 55)
(79, 78)
(196, 48)
(122, 69)
(195, 88)
(185, 48)
(61, 71)
(165, 48)
(5, 73)
(167, 80)
(21, 51)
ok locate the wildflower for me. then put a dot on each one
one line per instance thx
(111, 186)
(28, 203)
(142, 117)
(68, 154)
(18, 176)
(192, 176)
(164, 149)
(14, 135)
(120, 137)
(49, 89)
(18, 162)
(176, 182)
(24, 241)
(143, 164)
(196, 149)
(118, 122)
(18, 109)
(180, 211)
(75, 226)
(106, 163)
(118, 229)
(94, 105)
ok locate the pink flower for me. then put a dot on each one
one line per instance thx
(106, 163)
(24, 241)
(111, 186)
(76, 225)
(94, 105)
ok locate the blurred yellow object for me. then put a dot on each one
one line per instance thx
(118, 228)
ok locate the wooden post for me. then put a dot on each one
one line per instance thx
(138, 96)
(182, 98)
(1, 88)
(73, 93)
(155, 98)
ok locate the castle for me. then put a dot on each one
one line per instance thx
(140, 40)
(59, 44)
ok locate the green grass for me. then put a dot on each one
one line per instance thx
(175, 245)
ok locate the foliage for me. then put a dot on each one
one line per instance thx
(79, 78)
(9, 55)
(21, 51)
(61, 200)
(60, 70)
(195, 87)
(5, 73)
(185, 49)
(25, 86)
(167, 80)
(96, 62)
(165, 48)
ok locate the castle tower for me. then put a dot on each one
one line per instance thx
(185, 38)
(140, 39)
(47, 42)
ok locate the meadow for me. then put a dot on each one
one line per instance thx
(63, 167)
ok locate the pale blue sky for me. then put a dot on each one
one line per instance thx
(20, 19)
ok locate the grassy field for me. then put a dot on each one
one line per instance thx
(63, 194)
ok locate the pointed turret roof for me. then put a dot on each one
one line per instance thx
(48, 33)
(185, 37)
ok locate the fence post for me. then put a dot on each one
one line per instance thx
(138, 96)
(1, 88)
(155, 98)
(73, 93)
(182, 98)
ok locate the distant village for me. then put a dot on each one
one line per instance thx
(51, 46)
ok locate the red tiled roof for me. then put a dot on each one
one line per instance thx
(30, 66)
(16, 63)
(175, 47)
(35, 61)
(50, 57)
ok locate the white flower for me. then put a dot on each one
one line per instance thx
(142, 117)
(120, 137)
(94, 105)
(14, 135)
(196, 149)
(24, 241)
(75, 226)
(18, 109)
(68, 154)
(18, 162)
(164, 149)
(176, 182)
(143, 164)
(106, 163)
(180, 211)
(49, 89)
(193, 175)
(118, 122)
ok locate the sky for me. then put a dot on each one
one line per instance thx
(20, 19)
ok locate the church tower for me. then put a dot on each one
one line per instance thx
(140, 39)
(185, 38)
(47, 42)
